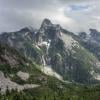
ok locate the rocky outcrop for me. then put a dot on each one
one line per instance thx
(23, 75)
(6, 83)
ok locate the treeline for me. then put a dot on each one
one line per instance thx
(45, 93)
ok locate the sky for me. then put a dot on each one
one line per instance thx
(73, 15)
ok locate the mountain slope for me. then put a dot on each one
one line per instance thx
(12, 63)
(17, 72)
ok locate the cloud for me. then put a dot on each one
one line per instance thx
(74, 15)
(85, 15)
(80, 7)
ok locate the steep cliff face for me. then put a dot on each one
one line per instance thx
(57, 49)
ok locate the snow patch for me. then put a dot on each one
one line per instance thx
(47, 44)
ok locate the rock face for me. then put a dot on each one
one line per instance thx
(53, 47)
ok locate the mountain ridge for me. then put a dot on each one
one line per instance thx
(53, 47)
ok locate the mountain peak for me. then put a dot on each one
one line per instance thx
(25, 29)
(46, 22)
(50, 30)
(94, 33)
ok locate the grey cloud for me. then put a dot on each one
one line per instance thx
(15, 14)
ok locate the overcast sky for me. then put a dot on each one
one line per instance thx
(73, 15)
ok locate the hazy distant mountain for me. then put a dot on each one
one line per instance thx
(91, 41)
